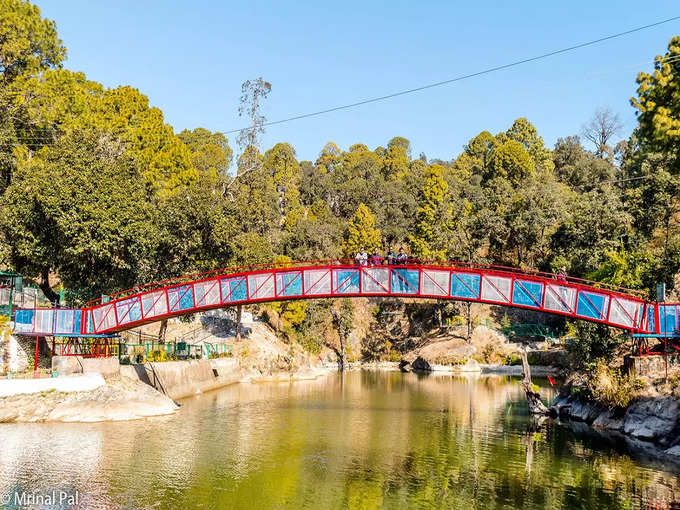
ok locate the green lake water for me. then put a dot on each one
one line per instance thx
(364, 440)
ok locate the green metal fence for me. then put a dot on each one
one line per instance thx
(168, 351)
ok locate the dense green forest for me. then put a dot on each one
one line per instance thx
(99, 191)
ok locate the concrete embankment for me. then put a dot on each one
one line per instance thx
(89, 382)
(179, 379)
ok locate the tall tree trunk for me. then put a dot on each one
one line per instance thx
(44, 285)
(162, 330)
(342, 358)
(239, 315)
(339, 352)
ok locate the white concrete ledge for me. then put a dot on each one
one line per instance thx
(87, 382)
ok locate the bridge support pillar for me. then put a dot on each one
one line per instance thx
(239, 314)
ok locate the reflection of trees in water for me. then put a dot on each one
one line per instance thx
(362, 440)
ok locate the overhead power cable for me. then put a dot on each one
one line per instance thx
(462, 77)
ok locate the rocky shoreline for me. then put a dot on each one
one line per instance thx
(127, 395)
(119, 399)
(465, 368)
(650, 423)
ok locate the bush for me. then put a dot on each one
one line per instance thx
(215, 355)
(157, 355)
(611, 388)
(590, 342)
(513, 359)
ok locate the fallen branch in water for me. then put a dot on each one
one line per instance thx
(536, 405)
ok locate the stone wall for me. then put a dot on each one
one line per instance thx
(68, 365)
(13, 356)
(650, 366)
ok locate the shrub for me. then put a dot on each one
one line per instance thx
(589, 342)
(611, 388)
(513, 359)
(157, 355)
(215, 355)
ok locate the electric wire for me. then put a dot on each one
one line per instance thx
(459, 78)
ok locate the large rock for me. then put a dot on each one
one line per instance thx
(421, 364)
(652, 418)
(561, 406)
(674, 453)
(584, 411)
(608, 420)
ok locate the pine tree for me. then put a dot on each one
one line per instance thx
(434, 218)
(361, 232)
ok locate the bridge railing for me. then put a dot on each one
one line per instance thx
(190, 277)
(284, 281)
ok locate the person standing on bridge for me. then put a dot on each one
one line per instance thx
(400, 260)
(390, 256)
(362, 257)
(562, 274)
(376, 259)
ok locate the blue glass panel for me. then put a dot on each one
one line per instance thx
(405, 281)
(181, 298)
(590, 305)
(527, 293)
(346, 281)
(291, 284)
(23, 320)
(465, 285)
(668, 320)
(651, 319)
(77, 319)
(234, 289)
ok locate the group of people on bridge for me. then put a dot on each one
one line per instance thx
(362, 258)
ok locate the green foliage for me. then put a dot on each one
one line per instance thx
(513, 359)
(658, 106)
(80, 210)
(29, 43)
(589, 342)
(625, 269)
(210, 152)
(434, 218)
(158, 355)
(511, 161)
(611, 388)
(361, 232)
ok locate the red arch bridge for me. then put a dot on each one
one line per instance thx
(570, 297)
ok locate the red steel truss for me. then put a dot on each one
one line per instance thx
(570, 297)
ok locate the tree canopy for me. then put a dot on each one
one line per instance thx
(99, 192)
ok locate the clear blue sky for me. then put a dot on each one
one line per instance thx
(190, 59)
